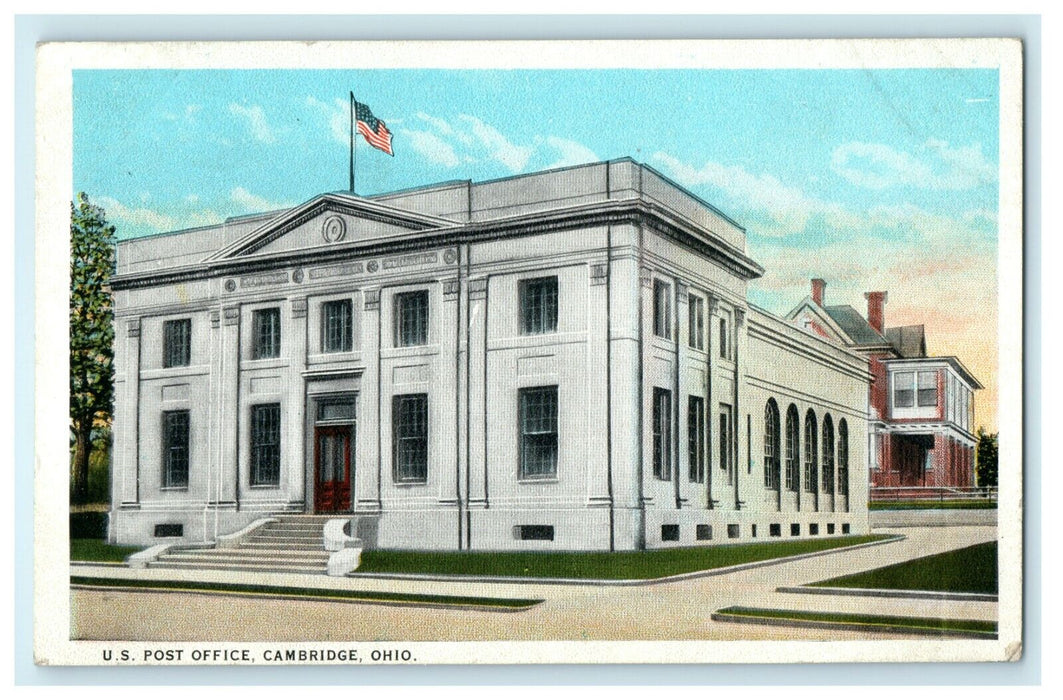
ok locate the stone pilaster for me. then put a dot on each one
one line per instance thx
(371, 462)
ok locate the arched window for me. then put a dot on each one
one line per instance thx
(793, 449)
(771, 445)
(811, 452)
(843, 457)
(828, 454)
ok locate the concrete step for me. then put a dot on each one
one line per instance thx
(221, 566)
(317, 541)
(265, 562)
(286, 546)
(240, 553)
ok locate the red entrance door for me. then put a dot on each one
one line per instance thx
(332, 455)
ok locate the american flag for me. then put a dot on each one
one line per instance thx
(374, 131)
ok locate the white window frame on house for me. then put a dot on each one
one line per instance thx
(176, 449)
(539, 305)
(772, 438)
(538, 411)
(696, 327)
(811, 452)
(266, 333)
(793, 449)
(662, 433)
(409, 438)
(930, 391)
(177, 342)
(337, 331)
(412, 317)
(662, 309)
(904, 389)
(265, 448)
(827, 454)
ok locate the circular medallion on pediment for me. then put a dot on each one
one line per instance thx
(450, 256)
(334, 229)
(372, 266)
(230, 285)
(297, 276)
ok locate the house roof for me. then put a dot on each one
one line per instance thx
(854, 325)
(910, 341)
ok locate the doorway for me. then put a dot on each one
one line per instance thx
(333, 466)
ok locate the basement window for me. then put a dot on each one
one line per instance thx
(795, 529)
(813, 528)
(830, 528)
(845, 528)
(704, 532)
(169, 530)
(775, 530)
(733, 531)
(669, 533)
(535, 532)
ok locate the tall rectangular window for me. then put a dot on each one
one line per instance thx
(177, 343)
(696, 438)
(336, 326)
(538, 432)
(725, 338)
(662, 309)
(266, 444)
(928, 389)
(175, 449)
(904, 389)
(411, 319)
(409, 421)
(662, 434)
(725, 440)
(266, 330)
(538, 306)
(697, 322)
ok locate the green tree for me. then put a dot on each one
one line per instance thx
(986, 459)
(91, 332)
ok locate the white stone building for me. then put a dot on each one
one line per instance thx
(563, 360)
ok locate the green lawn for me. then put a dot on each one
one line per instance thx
(595, 565)
(966, 504)
(98, 550)
(967, 570)
(317, 593)
(937, 624)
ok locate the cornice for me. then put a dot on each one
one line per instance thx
(609, 212)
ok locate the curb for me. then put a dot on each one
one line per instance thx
(888, 593)
(307, 598)
(458, 578)
(850, 626)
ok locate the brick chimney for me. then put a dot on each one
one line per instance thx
(819, 290)
(876, 310)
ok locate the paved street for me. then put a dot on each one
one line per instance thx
(678, 610)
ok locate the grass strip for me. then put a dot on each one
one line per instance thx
(978, 504)
(98, 550)
(968, 570)
(936, 624)
(644, 564)
(372, 596)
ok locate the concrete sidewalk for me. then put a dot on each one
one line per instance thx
(673, 610)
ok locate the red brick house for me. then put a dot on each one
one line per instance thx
(920, 408)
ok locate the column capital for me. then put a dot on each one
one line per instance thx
(372, 299)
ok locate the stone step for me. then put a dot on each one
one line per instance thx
(316, 540)
(286, 546)
(252, 559)
(293, 528)
(239, 553)
(222, 566)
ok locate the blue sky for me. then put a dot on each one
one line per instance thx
(883, 179)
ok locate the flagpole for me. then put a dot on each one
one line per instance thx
(352, 142)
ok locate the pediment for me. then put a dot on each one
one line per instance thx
(329, 221)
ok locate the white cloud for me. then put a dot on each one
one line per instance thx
(570, 152)
(498, 147)
(256, 122)
(253, 202)
(432, 147)
(337, 114)
(937, 166)
(124, 217)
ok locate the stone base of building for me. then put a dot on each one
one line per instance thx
(498, 529)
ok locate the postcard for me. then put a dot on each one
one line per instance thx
(529, 352)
